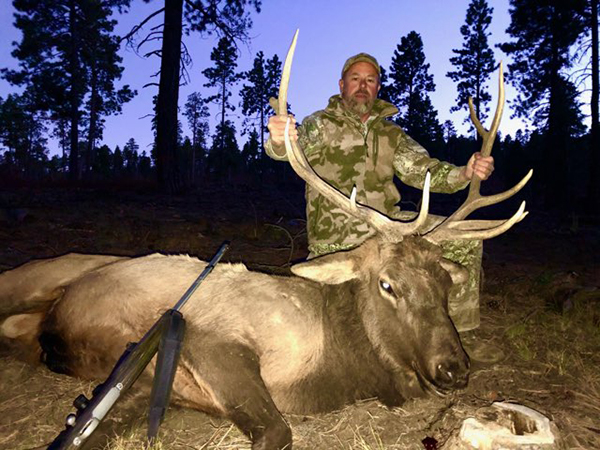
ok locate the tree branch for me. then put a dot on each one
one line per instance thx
(152, 36)
(138, 27)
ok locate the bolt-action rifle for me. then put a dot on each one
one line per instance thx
(165, 337)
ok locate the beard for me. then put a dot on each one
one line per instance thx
(359, 107)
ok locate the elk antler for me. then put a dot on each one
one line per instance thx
(391, 229)
(455, 227)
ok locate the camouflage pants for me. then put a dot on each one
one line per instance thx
(463, 301)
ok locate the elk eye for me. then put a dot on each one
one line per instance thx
(386, 287)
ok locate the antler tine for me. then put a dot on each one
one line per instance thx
(390, 229)
(486, 148)
(480, 130)
(474, 202)
(285, 77)
(474, 199)
(491, 228)
(455, 227)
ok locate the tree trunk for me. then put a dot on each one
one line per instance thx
(167, 167)
(555, 160)
(223, 100)
(29, 157)
(74, 172)
(194, 140)
(89, 154)
(594, 197)
(62, 132)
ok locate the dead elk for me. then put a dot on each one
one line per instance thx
(369, 322)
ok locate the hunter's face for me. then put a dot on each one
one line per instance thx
(359, 87)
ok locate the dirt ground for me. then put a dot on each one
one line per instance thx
(540, 303)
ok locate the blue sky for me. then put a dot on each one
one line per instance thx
(330, 32)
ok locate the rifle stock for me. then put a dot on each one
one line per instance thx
(166, 333)
(127, 370)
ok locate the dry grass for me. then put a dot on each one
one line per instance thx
(552, 346)
(553, 335)
(552, 366)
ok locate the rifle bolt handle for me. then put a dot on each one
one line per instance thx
(71, 419)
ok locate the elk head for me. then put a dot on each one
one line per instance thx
(402, 276)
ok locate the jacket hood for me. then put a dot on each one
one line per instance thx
(381, 108)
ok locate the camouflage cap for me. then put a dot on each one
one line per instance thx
(361, 57)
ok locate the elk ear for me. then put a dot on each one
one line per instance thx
(335, 268)
(457, 272)
(20, 325)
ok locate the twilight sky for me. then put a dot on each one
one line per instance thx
(330, 32)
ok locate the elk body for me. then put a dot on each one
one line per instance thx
(369, 322)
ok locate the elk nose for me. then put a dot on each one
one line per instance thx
(451, 374)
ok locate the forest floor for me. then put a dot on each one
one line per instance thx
(540, 303)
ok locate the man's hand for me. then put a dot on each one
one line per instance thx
(276, 127)
(482, 166)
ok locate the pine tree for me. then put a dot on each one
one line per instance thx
(187, 151)
(589, 77)
(224, 17)
(145, 165)
(385, 91)
(449, 130)
(130, 156)
(252, 154)
(224, 157)
(410, 83)
(196, 112)
(117, 162)
(543, 33)
(166, 151)
(61, 133)
(474, 61)
(56, 58)
(22, 133)
(104, 69)
(101, 165)
(222, 76)
(264, 80)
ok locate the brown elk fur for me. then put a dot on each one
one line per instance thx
(255, 344)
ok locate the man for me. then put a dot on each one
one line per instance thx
(350, 143)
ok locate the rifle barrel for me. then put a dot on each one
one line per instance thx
(208, 269)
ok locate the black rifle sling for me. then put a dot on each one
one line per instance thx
(169, 349)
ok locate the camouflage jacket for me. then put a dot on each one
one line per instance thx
(347, 153)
